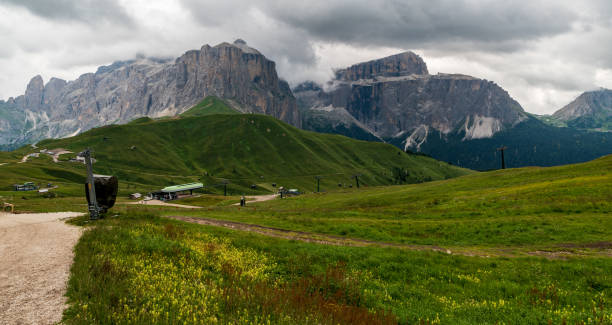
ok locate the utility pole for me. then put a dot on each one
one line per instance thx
(225, 187)
(357, 179)
(318, 181)
(503, 162)
(94, 210)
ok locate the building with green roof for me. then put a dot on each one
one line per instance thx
(173, 192)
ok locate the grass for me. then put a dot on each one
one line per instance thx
(510, 208)
(139, 268)
(246, 149)
(209, 106)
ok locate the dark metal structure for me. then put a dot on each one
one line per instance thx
(357, 179)
(503, 162)
(100, 190)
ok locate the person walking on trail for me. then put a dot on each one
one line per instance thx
(242, 201)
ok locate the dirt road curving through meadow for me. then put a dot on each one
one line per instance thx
(36, 255)
(600, 249)
(258, 198)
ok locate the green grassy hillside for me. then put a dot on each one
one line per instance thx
(246, 149)
(210, 105)
(516, 246)
(512, 207)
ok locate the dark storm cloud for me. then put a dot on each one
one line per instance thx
(503, 25)
(89, 11)
(492, 25)
(541, 51)
(286, 31)
(252, 21)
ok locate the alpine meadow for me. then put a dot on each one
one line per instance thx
(421, 162)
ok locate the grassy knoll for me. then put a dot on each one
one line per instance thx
(138, 268)
(246, 149)
(208, 144)
(507, 208)
(209, 106)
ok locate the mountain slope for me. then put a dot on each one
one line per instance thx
(530, 143)
(126, 90)
(590, 110)
(455, 118)
(209, 106)
(247, 149)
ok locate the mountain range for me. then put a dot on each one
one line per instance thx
(213, 143)
(126, 90)
(456, 118)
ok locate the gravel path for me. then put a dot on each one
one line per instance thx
(258, 198)
(35, 254)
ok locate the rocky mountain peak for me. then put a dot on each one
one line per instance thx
(154, 87)
(401, 64)
(591, 110)
(240, 44)
(34, 93)
(396, 99)
(53, 89)
(589, 103)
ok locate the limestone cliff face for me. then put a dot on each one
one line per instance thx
(127, 90)
(402, 64)
(395, 99)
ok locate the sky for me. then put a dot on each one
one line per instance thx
(544, 53)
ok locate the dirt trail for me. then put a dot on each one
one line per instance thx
(302, 236)
(258, 198)
(35, 254)
(603, 251)
(57, 152)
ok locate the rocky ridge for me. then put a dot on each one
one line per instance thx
(590, 110)
(126, 90)
(395, 99)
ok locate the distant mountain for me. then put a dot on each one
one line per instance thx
(247, 149)
(395, 99)
(456, 118)
(127, 90)
(591, 110)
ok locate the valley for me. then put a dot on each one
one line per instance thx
(375, 197)
(506, 246)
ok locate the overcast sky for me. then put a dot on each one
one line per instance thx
(544, 53)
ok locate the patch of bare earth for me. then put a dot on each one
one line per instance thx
(258, 198)
(36, 255)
